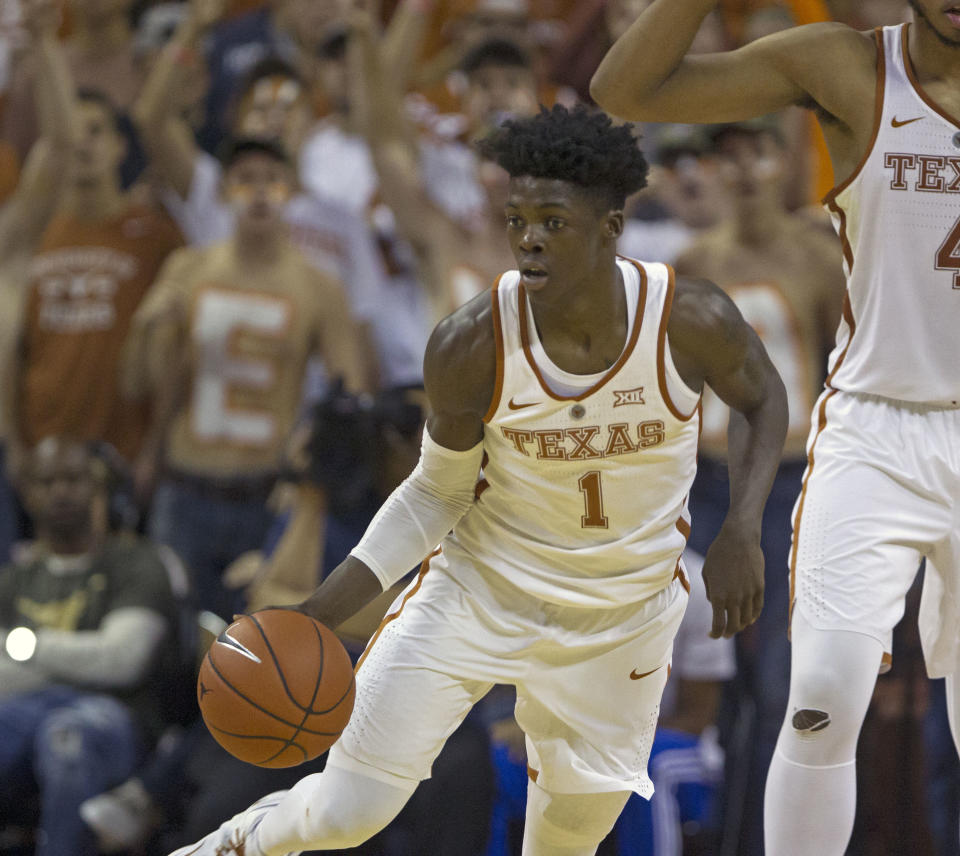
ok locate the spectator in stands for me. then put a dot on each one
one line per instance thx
(684, 197)
(100, 55)
(785, 275)
(223, 338)
(337, 167)
(290, 29)
(273, 101)
(86, 624)
(96, 257)
(456, 261)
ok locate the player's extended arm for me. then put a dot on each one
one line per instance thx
(459, 373)
(648, 75)
(166, 136)
(711, 343)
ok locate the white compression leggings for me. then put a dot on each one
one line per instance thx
(811, 787)
(340, 808)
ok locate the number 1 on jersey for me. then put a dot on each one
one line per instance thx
(592, 500)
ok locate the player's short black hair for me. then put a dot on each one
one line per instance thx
(233, 148)
(580, 146)
(497, 52)
(90, 95)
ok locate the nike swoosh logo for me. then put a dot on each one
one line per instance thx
(898, 124)
(514, 406)
(635, 677)
(226, 639)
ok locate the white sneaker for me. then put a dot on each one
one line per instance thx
(235, 837)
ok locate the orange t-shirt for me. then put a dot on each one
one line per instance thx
(86, 281)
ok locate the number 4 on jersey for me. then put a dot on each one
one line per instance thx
(948, 256)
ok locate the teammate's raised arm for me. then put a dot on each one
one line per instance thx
(710, 342)
(649, 75)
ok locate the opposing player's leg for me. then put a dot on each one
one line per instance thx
(811, 787)
(569, 824)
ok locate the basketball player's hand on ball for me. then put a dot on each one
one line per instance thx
(733, 575)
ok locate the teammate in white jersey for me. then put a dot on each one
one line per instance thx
(882, 485)
(575, 386)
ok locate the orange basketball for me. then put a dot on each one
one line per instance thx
(276, 688)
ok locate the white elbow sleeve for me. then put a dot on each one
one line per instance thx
(421, 511)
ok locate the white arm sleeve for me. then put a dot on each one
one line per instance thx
(117, 655)
(423, 509)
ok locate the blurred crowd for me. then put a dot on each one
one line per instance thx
(227, 228)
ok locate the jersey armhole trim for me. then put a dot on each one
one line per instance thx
(665, 361)
(498, 341)
(877, 116)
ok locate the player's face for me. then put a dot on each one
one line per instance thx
(100, 149)
(496, 93)
(258, 186)
(942, 16)
(61, 488)
(751, 166)
(558, 235)
(278, 108)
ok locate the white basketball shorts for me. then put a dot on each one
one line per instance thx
(588, 681)
(881, 492)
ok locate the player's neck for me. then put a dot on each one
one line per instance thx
(930, 56)
(101, 201)
(593, 304)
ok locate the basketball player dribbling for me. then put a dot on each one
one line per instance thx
(882, 485)
(573, 389)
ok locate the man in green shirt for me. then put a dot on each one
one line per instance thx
(86, 635)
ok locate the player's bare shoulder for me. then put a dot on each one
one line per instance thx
(835, 61)
(705, 331)
(460, 363)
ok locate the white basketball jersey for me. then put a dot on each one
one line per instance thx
(583, 497)
(898, 217)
